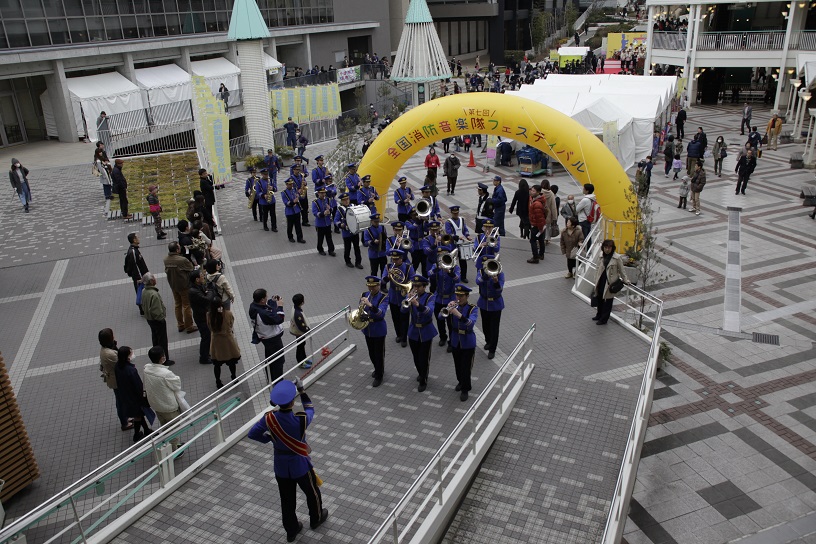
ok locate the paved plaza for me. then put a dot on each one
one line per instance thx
(728, 452)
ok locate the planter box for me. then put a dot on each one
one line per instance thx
(240, 166)
(632, 273)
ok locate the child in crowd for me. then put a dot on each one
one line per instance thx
(297, 328)
(677, 165)
(155, 210)
(684, 191)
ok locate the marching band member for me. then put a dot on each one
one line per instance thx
(375, 305)
(319, 172)
(302, 187)
(481, 240)
(416, 232)
(456, 227)
(444, 283)
(374, 238)
(273, 164)
(426, 193)
(421, 331)
(265, 193)
(491, 304)
(292, 211)
(300, 161)
(322, 211)
(403, 197)
(402, 273)
(398, 227)
(331, 194)
(484, 206)
(463, 316)
(367, 194)
(250, 182)
(430, 246)
(352, 182)
(349, 240)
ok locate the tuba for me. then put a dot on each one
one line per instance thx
(448, 260)
(424, 207)
(492, 267)
(400, 281)
(358, 319)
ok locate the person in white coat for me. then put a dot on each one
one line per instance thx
(163, 389)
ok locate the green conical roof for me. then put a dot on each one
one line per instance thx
(418, 12)
(247, 23)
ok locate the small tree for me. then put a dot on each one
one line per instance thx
(346, 152)
(570, 16)
(539, 29)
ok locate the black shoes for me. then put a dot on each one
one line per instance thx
(596, 318)
(421, 387)
(358, 265)
(404, 343)
(458, 387)
(601, 322)
(491, 354)
(463, 396)
(291, 240)
(322, 252)
(349, 264)
(332, 254)
(450, 348)
(266, 228)
(377, 382)
(161, 236)
(324, 515)
(443, 341)
(290, 537)
(301, 241)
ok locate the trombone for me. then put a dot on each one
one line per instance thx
(492, 267)
(491, 241)
(403, 241)
(447, 309)
(447, 260)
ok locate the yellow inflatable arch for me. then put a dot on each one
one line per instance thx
(520, 119)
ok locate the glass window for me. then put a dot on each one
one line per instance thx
(3, 42)
(173, 24)
(53, 8)
(10, 9)
(96, 29)
(59, 31)
(38, 32)
(73, 7)
(145, 23)
(33, 8)
(113, 28)
(77, 29)
(109, 7)
(130, 28)
(125, 7)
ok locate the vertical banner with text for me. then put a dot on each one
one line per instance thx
(212, 132)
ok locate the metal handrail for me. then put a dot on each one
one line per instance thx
(437, 490)
(208, 407)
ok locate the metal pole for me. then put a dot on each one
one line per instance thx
(76, 517)
(395, 530)
(219, 430)
(473, 434)
(440, 490)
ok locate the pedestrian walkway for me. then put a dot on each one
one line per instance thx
(730, 447)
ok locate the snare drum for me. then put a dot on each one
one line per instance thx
(358, 218)
(465, 250)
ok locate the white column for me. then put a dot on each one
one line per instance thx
(689, 35)
(60, 98)
(692, 82)
(184, 60)
(811, 127)
(309, 51)
(647, 67)
(784, 58)
(256, 100)
(804, 96)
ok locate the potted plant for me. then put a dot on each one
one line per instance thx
(240, 163)
(254, 161)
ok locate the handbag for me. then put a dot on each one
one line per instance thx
(139, 289)
(595, 301)
(759, 154)
(616, 286)
(765, 139)
(555, 232)
(573, 253)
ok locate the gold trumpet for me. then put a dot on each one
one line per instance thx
(409, 299)
(445, 240)
(447, 309)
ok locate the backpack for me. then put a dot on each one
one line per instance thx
(594, 212)
(212, 288)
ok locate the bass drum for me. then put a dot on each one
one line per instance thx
(358, 218)
(465, 250)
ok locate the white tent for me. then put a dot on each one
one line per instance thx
(572, 51)
(644, 109)
(570, 80)
(271, 64)
(217, 71)
(169, 90)
(111, 93)
(592, 112)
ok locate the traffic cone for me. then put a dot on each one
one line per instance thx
(472, 162)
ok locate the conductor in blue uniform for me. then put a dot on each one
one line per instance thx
(463, 316)
(293, 466)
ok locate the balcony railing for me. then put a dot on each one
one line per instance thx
(741, 41)
(803, 40)
(674, 41)
(339, 75)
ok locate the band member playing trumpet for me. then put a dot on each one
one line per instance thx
(331, 194)
(431, 246)
(374, 238)
(374, 304)
(397, 240)
(443, 281)
(291, 201)
(349, 240)
(403, 197)
(426, 194)
(398, 274)
(301, 186)
(456, 227)
(421, 331)
(491, 304)
(416, 228)
(367, 194)
(463, 316)
(352, 182)
(250, 182)
(265, 190)
(322, 211)
(484, 241)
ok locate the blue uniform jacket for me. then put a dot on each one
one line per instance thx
(248, 185)
(363, 194)
(377, 327)
(319, 174)
(292, 202)
(299, 180)
(461, 330)
(331, 191)
(488, 252)
(415, 232)
(352, 184)
(340, 221)
(303, 169)
(273, 164)
(322, 211)
(288, 464)
(422, 318)
(261, 188)
(394, 294)
(403, 194)
(490, 292)
(430, 248)
(499, 199)
(452, 231)
(445, 283)
(371, 239)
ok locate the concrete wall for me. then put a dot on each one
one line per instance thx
(369, 10)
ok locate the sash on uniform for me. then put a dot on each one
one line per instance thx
(297, 446)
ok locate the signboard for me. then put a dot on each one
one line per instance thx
(303, 104)
(212, 132)
(348, 75)
(616, 41)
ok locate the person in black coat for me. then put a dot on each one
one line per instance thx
(132, 392)
(200, 302)
(207, 188)
(521, 203)
(680, 121)
(745, 167)
(18, 175)
(120, 187)
(135, 265)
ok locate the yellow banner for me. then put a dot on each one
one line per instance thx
(616, 41)
(212, 132)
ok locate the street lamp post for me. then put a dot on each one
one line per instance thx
(804, 96)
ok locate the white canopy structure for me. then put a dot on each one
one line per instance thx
(217, 71)
(111, 92)
(573, 51)
(271, 64)
(165, 85)
(593, 112)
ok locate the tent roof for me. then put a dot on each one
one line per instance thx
(639, 106)
(216, 67)
(111, 83)
(594, 111)
(566, 51)
(246, 22)
(557, 80)
(167, 75)
(270, 62)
